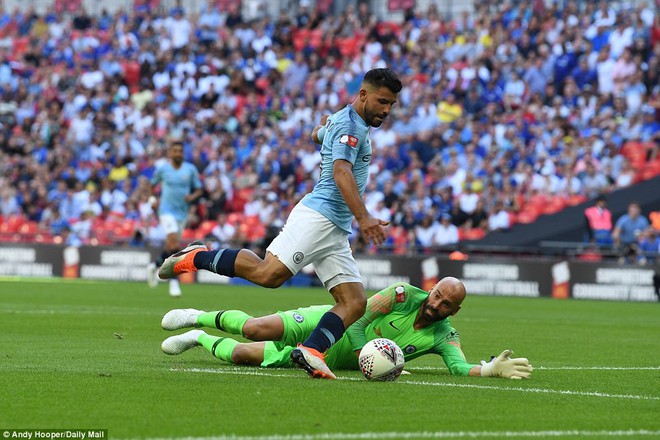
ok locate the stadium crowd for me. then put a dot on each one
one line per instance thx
(509, 111)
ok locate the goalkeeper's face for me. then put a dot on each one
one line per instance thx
(436, 309)
(444, 300)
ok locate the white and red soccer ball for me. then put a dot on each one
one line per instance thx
(382, 360)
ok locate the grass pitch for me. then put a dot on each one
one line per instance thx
(87, 355)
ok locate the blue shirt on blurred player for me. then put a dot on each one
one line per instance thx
(176, 185)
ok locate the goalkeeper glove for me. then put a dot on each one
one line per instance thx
(504, 366)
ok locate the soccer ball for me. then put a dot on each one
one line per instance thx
(382, 360)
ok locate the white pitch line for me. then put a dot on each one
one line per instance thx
(599, 368)
(425, 434)
(435, 384)
(555, 368)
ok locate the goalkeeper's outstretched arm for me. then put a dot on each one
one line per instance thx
(503, 366)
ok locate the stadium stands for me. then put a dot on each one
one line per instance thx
(537, 108)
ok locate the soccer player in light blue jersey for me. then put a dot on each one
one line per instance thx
(180, 185)
(317, 229)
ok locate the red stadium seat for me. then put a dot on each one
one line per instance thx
(527, 216)
(575, 199)
(205, 229)
(538, 201)
(188, 234)
(256, 232)
(121, 234)
(43, 237)
(28, 228)
(300, 39)
(316, 38)
(513, 218)
(635, 152)
(554, 205)
(650, 170)
(240, 199)
(235, 218)
(12, 224)
(475, 234)
(348, 47)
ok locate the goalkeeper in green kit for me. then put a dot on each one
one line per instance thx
(416, 320)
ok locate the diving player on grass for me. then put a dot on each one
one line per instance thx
(318, 227)
(416, 320)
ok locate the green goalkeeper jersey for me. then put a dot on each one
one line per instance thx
(391, 314)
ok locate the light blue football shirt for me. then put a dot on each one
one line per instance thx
(346, 137)
(176, 185)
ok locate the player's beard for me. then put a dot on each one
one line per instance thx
(369, 117)
(431, 314)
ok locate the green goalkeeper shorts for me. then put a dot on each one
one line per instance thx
(298, 325)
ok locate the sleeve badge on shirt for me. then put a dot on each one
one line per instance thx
(400, 294)
(349, 140)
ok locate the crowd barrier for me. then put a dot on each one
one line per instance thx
(503, 276)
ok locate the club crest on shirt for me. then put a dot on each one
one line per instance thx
(349, 140)
(298, 318)
(400, 294)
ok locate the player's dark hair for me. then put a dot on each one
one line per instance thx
(176, 143)
(383, 78)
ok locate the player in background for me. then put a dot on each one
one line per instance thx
(318, 227)
(417, 321)
(180, 185)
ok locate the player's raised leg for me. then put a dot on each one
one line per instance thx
(242, 263)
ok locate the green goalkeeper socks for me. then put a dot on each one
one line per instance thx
(222, 348)
(230, 321)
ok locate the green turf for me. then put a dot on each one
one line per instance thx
(86, 355)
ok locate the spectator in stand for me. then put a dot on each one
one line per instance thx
(180, 30)
(8, 203)
(623, 71)
(449, 110)
(627, 175)
(499, 220)
(458, 216)
(69, 238)
(648, 243)
(583, 74)
(626, 231)
(446, 233)
(594, 182)
(598, 222)
(479, 217)
(425, 231)
(382, 212)
(223, 233)
(468, 200)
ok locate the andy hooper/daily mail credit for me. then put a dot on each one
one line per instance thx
(47, 434)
